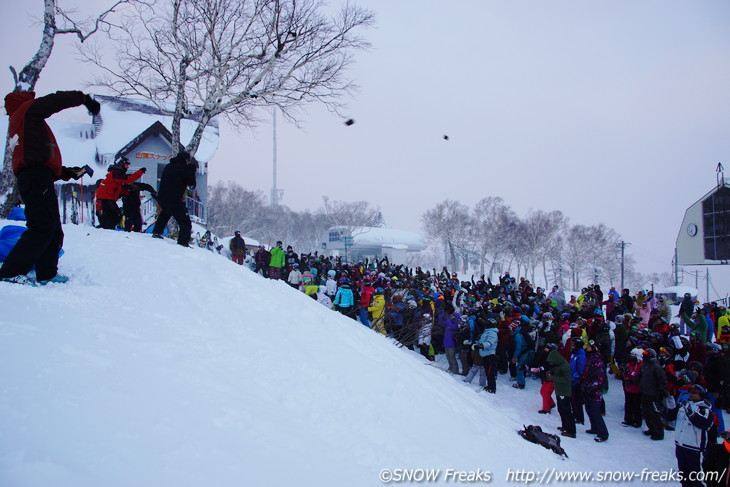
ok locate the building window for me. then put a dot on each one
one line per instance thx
(334, 236)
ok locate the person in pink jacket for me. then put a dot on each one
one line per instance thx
(632, 391)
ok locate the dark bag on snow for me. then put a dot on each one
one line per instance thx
(535, 434)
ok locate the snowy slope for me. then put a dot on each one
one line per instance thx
(158, 365)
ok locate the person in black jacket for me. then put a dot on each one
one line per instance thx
(37, 164)
(653, 383)
(132, 205)
(176, 177)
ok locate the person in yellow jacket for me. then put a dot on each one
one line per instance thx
(377, 310)
(310, 289)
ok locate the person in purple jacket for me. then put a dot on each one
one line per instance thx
(450, 322)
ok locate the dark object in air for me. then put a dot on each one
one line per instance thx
(446, 137)
(349, 122)
(535, 434)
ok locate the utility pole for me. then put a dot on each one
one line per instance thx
(623, 246)
(276, 193)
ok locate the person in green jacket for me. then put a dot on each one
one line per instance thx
(560, 374)
(697, 325)
(277, 261)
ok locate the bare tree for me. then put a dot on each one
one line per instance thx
(348, 214)
(231, 208)
(448, 224)
(56, 21)
(218, 57)
(602, 250)
(492, 222)
(577, 253)
(556, 258)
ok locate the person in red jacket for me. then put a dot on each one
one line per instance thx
(37, 165)
(110, 189)
(366, 295)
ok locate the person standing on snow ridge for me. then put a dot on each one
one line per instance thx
(344, 300)
(175, 179)
(295, 276)
(37, 164)
(237, 246)
(132, 205)
(291, 258)
(277, 261)
(366, 297)
(109, 191)
(262, 259)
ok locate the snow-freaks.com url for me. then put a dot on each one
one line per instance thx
(551, 475)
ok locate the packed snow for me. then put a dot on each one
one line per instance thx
(158, 365)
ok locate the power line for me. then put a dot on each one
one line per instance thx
(649, 254)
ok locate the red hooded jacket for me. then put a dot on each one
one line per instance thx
(31, 138)
(112, 186)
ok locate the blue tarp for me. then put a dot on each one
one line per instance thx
(17, 214)
(9, 236)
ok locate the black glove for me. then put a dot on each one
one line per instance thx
(67, 173)
(144, 170)
(477, 346)
(72, 172)
(92, 105)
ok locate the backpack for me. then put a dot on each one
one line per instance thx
(535, 434)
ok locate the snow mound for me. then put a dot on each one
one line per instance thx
(158, 365)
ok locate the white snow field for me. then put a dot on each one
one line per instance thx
(158, 365)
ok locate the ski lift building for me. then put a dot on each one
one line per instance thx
(359, 243)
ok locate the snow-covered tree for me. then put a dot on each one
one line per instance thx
(492, 222)
(447, 223)
(204, 58)
(231, 208)
(56, 21)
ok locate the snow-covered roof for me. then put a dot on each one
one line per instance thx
(119, 122)
(385, 237)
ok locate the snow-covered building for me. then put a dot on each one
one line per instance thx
(137, 130)
(358, 243)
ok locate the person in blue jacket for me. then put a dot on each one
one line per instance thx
(449, 320)
(344, 300)
(524, 350)
(487, 345)
(577, 369)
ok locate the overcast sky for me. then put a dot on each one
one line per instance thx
(612, 112)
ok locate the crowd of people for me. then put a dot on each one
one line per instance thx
(674, 369)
